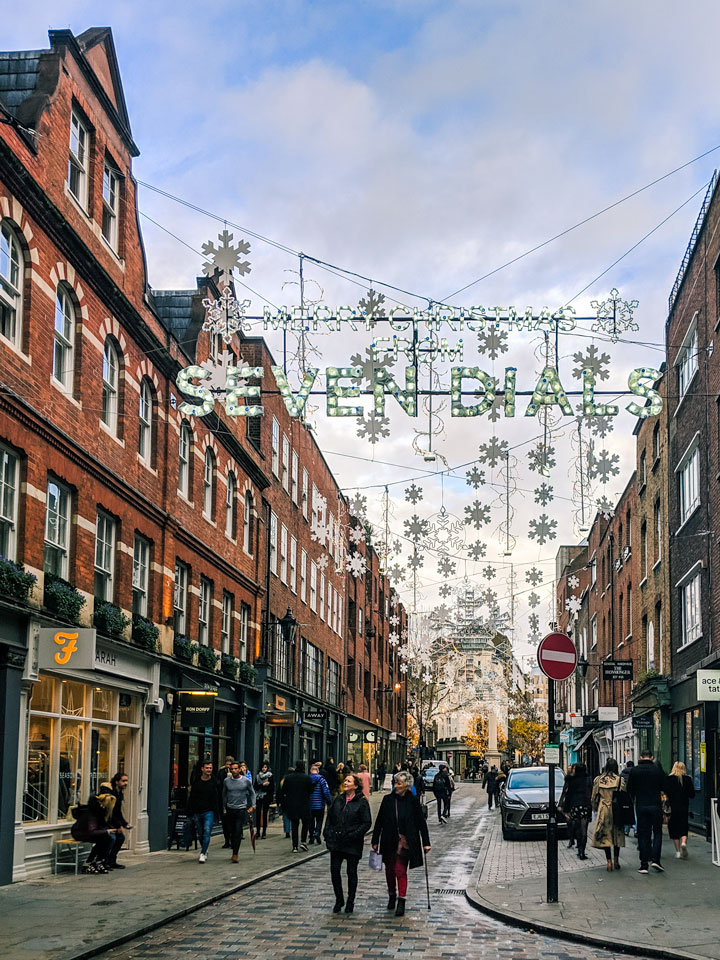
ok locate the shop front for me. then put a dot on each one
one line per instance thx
(362, 744)
(694, 741)
(81, 722)
(625, 741)
(651, 718)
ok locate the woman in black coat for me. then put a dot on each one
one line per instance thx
(679, 789)
(401, 835)
(575, 803)
(347, 822)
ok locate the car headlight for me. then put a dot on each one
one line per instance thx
(515, 803)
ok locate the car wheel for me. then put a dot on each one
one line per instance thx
(507, 832)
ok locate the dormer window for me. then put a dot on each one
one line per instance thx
(111, 193)
(78, 162)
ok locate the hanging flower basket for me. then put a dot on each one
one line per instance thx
(62, 599)
(207, 658)
(185, 649)
(109, 619)
(15, 582)
(246, 674)
(145, 634)
(229, 667)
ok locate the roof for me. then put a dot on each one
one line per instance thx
(174, 309)
(19, 72)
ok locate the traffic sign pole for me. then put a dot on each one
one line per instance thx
(551, 895)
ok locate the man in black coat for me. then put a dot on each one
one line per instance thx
(490, 782)
(442, 788)
(294, 798)
(644, 784)
(329, 771)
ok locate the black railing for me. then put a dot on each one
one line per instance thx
(691, 245)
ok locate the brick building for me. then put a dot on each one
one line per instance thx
(183, 540)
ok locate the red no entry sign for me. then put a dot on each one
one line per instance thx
(557, 656)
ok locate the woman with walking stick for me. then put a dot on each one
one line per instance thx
(401, 835)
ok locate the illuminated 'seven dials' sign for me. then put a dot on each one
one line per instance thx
(243, 400)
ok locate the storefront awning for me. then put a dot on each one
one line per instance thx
(582, 740)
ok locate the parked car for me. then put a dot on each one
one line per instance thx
(524, 802)
(431, 768)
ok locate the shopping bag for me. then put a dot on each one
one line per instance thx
(375, 860)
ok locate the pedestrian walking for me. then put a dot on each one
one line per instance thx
(607, 835)
(238, 800)
(624, 774)
(418, 782)
(442, 788)
(644, 784)
(401, 835)
(679, 790)
(490, 782)
(341, 773)
(203, 805)
(116, 819)
(576, 803)
(380, 772)
(364, 775)
(264, 793)
(348, 821)
(294, 795)
(320, 799)
(331, 775)
(287, 825)
(223, 773)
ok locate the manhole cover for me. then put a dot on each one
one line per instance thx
(105, 903)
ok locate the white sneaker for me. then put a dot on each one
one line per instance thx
(678, 855)
(202, 858)
(683, 850)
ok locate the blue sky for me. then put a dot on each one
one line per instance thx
(424, 143)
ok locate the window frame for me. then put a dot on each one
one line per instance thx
(79, 159)
(231, 506)
(185, 454)
(209, 480)
(305, 486)
(204, 611)
(292, 572)
(285, 466)
(691, 586)
(294, 477)
(140, 584)
(687, 359)
(146, 410)
(247, 523)
(273, 559)
(105, 544)
(284, 534)
(64, 345)
(180, 593)
(9, 502)
(110, 410)
(303, 575)
(689, 462)
(110, 210)
(60, 547)
(313, 586)
(11, 291)
(275, 447)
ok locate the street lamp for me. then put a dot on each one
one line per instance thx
(289, 627)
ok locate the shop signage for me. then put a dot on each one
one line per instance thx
(552, 753)
(708, 684)
(576, 721)
(617, 669)
(315, 716)
(280, 703)
(371, 736)
(353, 736)
(608, 713)
(66, 648)
(645, 722)
(197, 708)
(280, 718)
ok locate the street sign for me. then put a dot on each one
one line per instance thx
(552, 753)
(617, 669)
(557, 656)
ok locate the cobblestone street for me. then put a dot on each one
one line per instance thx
(290, 915)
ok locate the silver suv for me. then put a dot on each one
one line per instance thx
(524, 801)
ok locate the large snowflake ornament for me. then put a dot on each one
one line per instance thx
(415, 528)
(394, 639)
(599, 426)
(413, 493)
(371, 304)
(477, 514)
(614, 316)
(496, 410)
(541, 459)
(369, 363)
(225, 316)
(475, 478)
(446, 567)
(477, 550)
(394, 620)
(489, 572)
(606, 508)
(533, 600)
(322, 562)
(573, 604)
(396, 574)
(533, 576)
(372, 428)
(319, 531)
(489, 597)
(416, 561)
(492, 342)
(357, 535)
(573, 581)
(543, 529)
(445, 590)
(602, 466)
(356, 564)
(358, 505)
(534, 622)
(544, 494)
(493, 451)
(226, 257)
(592, 360)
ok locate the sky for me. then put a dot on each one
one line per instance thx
(424, 144)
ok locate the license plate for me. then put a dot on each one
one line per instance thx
(538, 816)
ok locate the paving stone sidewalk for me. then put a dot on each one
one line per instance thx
(70, 917)
(673, 914)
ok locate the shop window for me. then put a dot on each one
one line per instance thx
(104, 556)
(140, 576)
(57, 530)
(9, 479)
(11, 280)
(64, 338)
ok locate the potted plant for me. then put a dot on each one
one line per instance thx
(62, 599)
(246, 673)
(145, 634)
(207, 658)
(109, 619)
(15, 582)
(185, 649)
(229, 667)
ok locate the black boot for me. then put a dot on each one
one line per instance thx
(349, 906)
(400, 909)
(339, 904)
(392, 898)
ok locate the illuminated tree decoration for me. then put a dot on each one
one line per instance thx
(590, 408)
(489, 384)
(636, 384)
(199, 391)
(384, 383)
(235, 391)
(295, 405)
(336, 393)
(547, 392)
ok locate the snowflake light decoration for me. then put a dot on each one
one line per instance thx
(394, 639)
(489, 597)
(573, 581)
(319, 531)
(592, 360)
(226, 257)
(413, 493)
(371, 304)
(533, 600)
(394, 620)
(357, 535)
(396, 574)
(534, 622)
(599, 426)
(602, 466)
(415, 528)
(489, 573)
(372, 428)
(573, 604)
(416, 561)
(492, 342)
(533, 576)
(224, 316)
(368, 363)
(544, 494)
(543, 529)
(477, 550)
(541, 459)
(606, 508)
(322, 562)
(446, 567)
(496, 410)
(493, 451)
(358, 506)
(445, 590)
(475, 478)
(477, 514)
(356, 564)
(614, 316)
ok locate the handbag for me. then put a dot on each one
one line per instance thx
(375, 860)
(623, 812)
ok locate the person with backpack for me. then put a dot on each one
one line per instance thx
(91, 826)
(320, 799)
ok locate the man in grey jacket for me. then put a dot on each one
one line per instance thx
(238, 800)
